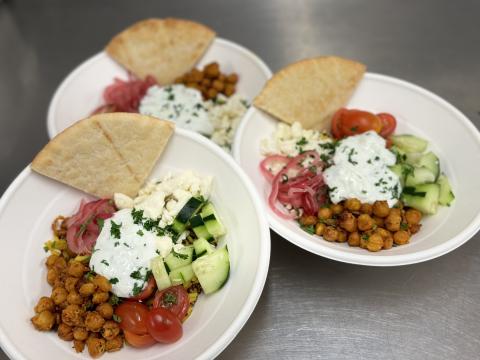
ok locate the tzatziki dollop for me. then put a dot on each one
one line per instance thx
(123, 252)
(360, 170)
(180, 104)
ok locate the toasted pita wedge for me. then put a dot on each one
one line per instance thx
(310, 91)
(163, 48)
(105, 153)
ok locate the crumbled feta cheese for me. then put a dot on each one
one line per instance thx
(122, 201)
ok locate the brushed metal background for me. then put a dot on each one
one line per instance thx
(311, 308)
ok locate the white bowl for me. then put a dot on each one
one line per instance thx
(31, 203)
(81, 92)
(452, 137)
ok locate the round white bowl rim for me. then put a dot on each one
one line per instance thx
(264, 257)
(366, 259)
(52, 107)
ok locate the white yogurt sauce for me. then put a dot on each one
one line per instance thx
(124, 256)
(361, 171)
(180, 104)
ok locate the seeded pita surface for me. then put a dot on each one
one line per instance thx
(105, 153)
(310, 91)
(163, 48)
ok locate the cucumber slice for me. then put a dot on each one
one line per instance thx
(212, 270)
(202, 247)
(160, 273)
(431, 162)
(419, 175)
(399, 153)
(446, 195)
(397, 169)
(182, 257)
(423, 197)
(188, 210)
(410, 143)
(212, 221)
(199, 227)
(182, 275)
(412, 158)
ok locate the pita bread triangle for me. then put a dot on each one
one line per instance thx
(105, 153)
(310, 91)
(163, 48)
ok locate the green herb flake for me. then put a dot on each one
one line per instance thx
(169, 299)
(403, 226)
(116, 243)
(171, 97)
(100, 223)
(354, 128)
(140, 232)
(89, 275)
(137, 275)
(116, 318)
(113, 281)
(115, 230)
(105, 262)
(179, 255)
(308, 228)
(137, 216)
(302, 141)
(114, 300)
(350, 154)
(137, 289)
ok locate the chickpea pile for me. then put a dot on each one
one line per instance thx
(79, 308)
(372, 227)
(210, 81)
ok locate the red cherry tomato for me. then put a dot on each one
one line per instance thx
(355, 122)
(133, 317)
(139, 341)
(336, 122)
(389, 124)
(175, 299)
(148, 291)
(164, 326)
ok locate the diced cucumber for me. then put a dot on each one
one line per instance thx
(419, 175)
(199, 227)
(202, 247)
(410, 143)
(182, 275)
(446, 194)
(399, 153)
(177, 259)
(212, 270)
(412, 158)
(160, 273)
(423, 197)
(212, 221)
(397, 169)
(188, 210)
(431, 162)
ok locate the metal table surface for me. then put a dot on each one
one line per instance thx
(311, 307)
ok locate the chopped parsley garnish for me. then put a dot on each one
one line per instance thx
(404, 226)
(137, 275)
(157, 251)
(354, 128)
(369, 161)
(89, 275)
(313, 169)
(308, 228)
(116, 318)
(364, 191)
(125, 244)
(377, 158)
(140, 232)
(114, 300)
(171, 97)
(115, 230)
(245, 103)
(137, 216)
(410, 190)
(325, 158)
(198, 106)
(169, 299)
(302, 141)
(150, 224)
(100, 223)
(105, 262)
(194, 114)
(395, 192)
(113, 280)
(116, 243)
(350, 154)
(365, 237)
(180, 256)
(137, 289)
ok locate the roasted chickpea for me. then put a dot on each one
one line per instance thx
(342, 236)
(319, 229)
(94, 321)
(364, 240)
(96, 347)
(87, 289)
(353, 204)
(110, 330)
(401, 237)
(365, 222)
(72, 315)
(59, 295)
(222, 77)
(218, 85)
(114, 344)
(336, 209)
(354, 239)
(330, 233)
(374, 243)
(307, 220)
(105, 310)
(71, 283)
(413, 216)
(100, 297)
(80, 333)
(52, 276)
(74, 298)
(388, 242)
(232, 78)
(51, 260)
(78, 345)
(196, 75)
(211, 70)
(45, 303)
(212, 93)
(43, 321)
(393, 221)
(324, 213)
(378, 221)
(348, 221)
(102, 283)
(206, 82)
(65, 332)
(381, 209)
(229, 90)
(76, 269)
(366, 209)
(60, 264)
(414, 228)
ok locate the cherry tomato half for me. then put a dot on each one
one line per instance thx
(175, 299)
(133, 317)
(148, 291)
(355, 122)
(336, 122)
(139, 341)
(164, 326)
(389, 124)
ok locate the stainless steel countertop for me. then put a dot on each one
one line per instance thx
(311, 307)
